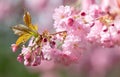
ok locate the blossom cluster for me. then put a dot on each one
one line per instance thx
(76, 32)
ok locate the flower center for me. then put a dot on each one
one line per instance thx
(106, 20)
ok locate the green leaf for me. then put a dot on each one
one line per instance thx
(20, 29)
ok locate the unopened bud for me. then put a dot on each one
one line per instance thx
(14, 47)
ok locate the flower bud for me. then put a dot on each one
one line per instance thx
(20, 58)
(14, 47)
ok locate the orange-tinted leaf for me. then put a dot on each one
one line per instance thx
(27, 18)
(23, 38)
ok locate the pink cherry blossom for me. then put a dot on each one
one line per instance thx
(78, 33)
(62, 57)
(60, 16)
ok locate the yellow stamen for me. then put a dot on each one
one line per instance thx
(106, 20)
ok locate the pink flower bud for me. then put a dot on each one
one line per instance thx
(20, 58)
(36, 61)
(14, 47)
(26, 63)
(70, 21)
(83, 13)
(27, 56)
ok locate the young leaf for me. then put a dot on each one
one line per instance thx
(25, 31)
(20, 29)
(33, 27)
(23, 38)
(27, 18)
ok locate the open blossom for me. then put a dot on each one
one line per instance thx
(71, 20)
(63, 57)
(62, 12)
(74, 45)
(61, 15)
(105, 30)
(47, 50)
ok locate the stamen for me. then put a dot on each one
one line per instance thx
(106, 20)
